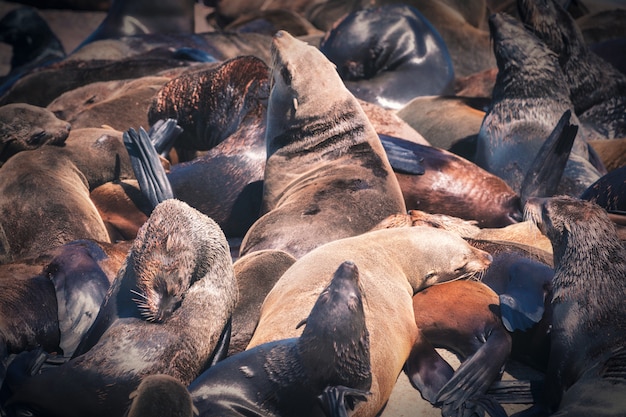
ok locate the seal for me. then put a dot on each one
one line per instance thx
(163, 314)
(324, 158)
(32, 41)
(142, 17)
(454, 186)
(25, 127)
(507, 149)
(464, 317)
(161, 395)
(388, 280)
(597, 88)
(328, 362)
(389, 54)
(588, 322)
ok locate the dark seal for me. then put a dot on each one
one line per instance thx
(586, 369)
(163, 314)
(389, 54)
(328, 363)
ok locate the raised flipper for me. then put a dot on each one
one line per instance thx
(476, 373)
(401, 157)
(163, 133)
(147, 167)
(544, 175)
(522, 302)
(428, 372)
(336, 400)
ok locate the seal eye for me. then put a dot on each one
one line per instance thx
(286, 75)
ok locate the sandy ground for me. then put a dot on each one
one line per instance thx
(72, 27)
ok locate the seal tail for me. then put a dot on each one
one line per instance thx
(150, 174)
(544, 175)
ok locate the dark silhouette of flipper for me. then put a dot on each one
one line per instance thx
(401, 157)
(544, 175)
(428, 372)
(150, 174)
(336, 400)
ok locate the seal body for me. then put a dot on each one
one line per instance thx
(163, 314)
(393, 265)
(285, 377)
(529, 97)
(327, 175)
(588, 335)
(389, 54)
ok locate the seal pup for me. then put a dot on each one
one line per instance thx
(597, 88)
(393, 265)
(529, 97)
(25, 127)
(326, 175)
(163, 314)
(330, 359)
(588, 335)
(389, 54)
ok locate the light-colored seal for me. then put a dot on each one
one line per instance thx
(393, 265)
(163, 314)
(327, 175)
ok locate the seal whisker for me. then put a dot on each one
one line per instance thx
(142, 295)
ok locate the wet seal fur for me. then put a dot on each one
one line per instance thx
(330, 359)
(326, 175)
(393, 265)
(161, 395)
(164, 313)
(585, 374)
(389, 54)
(597, 88)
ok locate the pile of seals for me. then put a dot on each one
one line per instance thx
(308, 175)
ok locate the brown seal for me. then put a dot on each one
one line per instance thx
(24, 126)
(326, 169)
(325, 371)
(588, 336)
(464, 317)
(164, 313)
(389, 280)
(161, 395)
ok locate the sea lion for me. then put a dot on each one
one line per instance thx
(290, 376)
(463, 317)
(389, 278)
(161, 395)
(24, 126)
(588, 332)
(128, 18)
(164, 313)
(530, 90)
(456, 187)
(609, 192)
(324, 158)
(32, 41)
(597, 89)
(389, 54)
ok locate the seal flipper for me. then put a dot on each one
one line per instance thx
(474, 376)
(401, 157)
(336, 400)
(163, 134)
(544, 175)
(428, 372)
(146, 164)
(522, 302)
